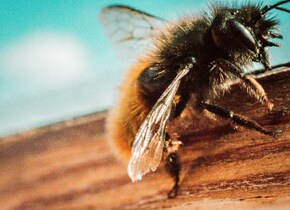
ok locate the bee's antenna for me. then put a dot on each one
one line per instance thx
(267, 8)
(274, 6)
(283, 9)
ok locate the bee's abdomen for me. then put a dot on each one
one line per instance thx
(128, 113)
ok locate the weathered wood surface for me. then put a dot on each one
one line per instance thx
(69, 165)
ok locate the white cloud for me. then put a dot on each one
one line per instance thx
(45, 58)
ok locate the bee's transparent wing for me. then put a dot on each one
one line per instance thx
(131, 30)
(148, 144)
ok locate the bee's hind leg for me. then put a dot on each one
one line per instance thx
(173, 168)
(173, 165)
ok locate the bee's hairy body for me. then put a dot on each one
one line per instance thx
(125, 119)
(190, 37)
(218, 48)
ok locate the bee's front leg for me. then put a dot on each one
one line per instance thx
(221, 70)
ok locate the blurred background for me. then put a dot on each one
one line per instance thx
(56, 62)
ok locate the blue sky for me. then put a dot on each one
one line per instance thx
(56, 62)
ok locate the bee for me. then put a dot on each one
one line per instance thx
(196, 56)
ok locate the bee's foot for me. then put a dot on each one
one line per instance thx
(173, 192)
(276, 134)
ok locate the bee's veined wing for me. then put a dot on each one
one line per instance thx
(131, 30)
(148, 144)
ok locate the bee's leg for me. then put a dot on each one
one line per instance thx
(254, 88)
(173, 168)
(173, 165)
(180, 106)
(238, 119)
(222, 69)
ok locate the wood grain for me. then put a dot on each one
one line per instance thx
(70, 165)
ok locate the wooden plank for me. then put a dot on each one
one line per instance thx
(70, 165)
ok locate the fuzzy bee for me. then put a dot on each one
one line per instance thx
(192, 57)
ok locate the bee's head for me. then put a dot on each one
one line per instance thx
(244, 33)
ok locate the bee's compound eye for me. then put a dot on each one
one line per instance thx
(242, 34)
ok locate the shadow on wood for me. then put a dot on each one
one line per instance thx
(69, 165)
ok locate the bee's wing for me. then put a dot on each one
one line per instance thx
(149, 141)
(129, 27)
